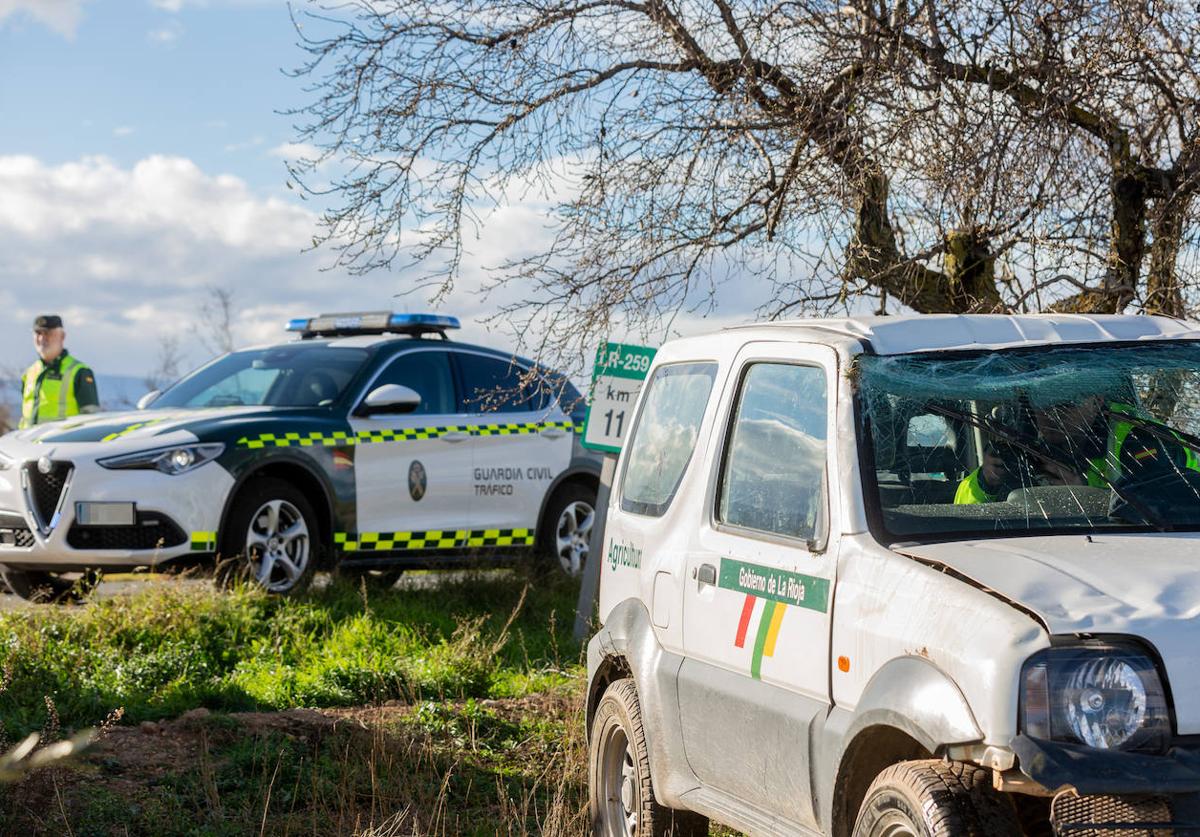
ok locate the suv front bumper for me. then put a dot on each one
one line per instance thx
(1112, 792)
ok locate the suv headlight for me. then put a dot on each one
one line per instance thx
(174, 460)
(1106, 695)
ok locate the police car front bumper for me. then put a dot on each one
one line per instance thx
(170, 516)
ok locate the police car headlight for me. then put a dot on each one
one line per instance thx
(176, 460)
(1099, 694)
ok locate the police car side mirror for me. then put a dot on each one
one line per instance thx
(148, 399)
(390, 398)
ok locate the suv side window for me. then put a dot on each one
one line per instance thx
(665, 436)
(429, 374)
(773, 475)
(491, 385)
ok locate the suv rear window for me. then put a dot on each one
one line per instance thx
(665, 436)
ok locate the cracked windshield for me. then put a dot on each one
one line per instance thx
(1075, 439)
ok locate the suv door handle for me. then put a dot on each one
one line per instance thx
(455, 436)
(706, 575)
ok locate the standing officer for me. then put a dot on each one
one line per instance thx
(57, 385)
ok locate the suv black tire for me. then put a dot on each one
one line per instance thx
(572, 496)
(619, 783)
(935, 798)
(238, 562)
(47, 587)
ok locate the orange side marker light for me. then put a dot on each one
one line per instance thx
(843, 663)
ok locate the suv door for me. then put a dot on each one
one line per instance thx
(756, 608)
(521, 440)
(413, 471)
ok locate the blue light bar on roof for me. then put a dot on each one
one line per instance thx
(422, 322)
(372, 322)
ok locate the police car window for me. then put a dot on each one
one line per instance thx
(282, 376)
(772, 479)
(428, 373)
(665, 436)
(491, 385)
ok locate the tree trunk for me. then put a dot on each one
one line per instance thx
(1163, 292)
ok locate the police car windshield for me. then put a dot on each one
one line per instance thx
(304, 375)
(1102, 437)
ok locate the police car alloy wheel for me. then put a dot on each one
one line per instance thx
(571, 516)
(272, 538)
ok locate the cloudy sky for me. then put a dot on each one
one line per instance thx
(142, 162)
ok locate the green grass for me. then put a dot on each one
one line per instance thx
(171, 648)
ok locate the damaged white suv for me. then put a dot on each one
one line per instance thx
(906, 576)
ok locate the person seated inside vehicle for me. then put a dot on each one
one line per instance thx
(1091, 441)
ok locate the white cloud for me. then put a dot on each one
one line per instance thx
(168, 5)
(62, 16)
(122, 131)
(165, 35)
(295, 151)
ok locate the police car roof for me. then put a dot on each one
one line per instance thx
(963, 332)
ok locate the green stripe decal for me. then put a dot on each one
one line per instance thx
(760, 641)
(774, 585)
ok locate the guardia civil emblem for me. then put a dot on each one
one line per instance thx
(416, 480)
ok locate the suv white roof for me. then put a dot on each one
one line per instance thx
(951, 332)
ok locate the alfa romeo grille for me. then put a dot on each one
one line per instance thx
(1110, 816)
(46, 489)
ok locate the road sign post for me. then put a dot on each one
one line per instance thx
(616, 381)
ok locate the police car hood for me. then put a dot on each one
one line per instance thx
(133, 429)
(1143, 585)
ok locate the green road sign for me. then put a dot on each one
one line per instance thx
(616, 380)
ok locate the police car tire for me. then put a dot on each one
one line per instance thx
(232, 564)
(617, 735)
(564, 497)
(49, 588)
(936, 798)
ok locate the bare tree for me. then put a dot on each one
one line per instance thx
(168, 363)
(214, 328)
(937, 156)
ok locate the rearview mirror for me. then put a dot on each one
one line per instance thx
(390, 398)
(148, 399)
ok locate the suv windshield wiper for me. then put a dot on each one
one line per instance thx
(1157, 429)
(1011, 438)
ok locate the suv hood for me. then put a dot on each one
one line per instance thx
(1145, 585)
(132, 426)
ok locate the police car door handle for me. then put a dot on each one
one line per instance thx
(455, 436)
(553, 432)
(706, 575)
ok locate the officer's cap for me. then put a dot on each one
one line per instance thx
(45, 322)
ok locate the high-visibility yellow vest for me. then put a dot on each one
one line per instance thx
(970, 490)
(50, 396)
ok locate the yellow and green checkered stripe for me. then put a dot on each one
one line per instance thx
(204, 541)
(340, 438)
(431, 539)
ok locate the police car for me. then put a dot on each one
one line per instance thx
(371, 444)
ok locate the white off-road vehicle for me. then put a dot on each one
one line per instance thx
(922, 575)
